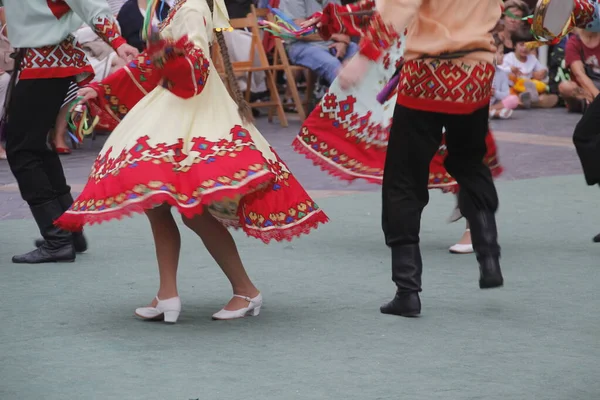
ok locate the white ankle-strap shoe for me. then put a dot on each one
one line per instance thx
(461, 249)
(168, 310)
(252, 310)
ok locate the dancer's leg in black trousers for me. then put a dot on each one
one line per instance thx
(587, 143)
(414, 138)
(37, 169)
(477, 198)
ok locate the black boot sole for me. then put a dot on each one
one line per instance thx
(491, 283)
(413, 314)
(79, 247)
(403, 306)
(45, 262)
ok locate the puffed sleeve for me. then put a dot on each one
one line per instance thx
(120, 91)
(333, 21)
(184, 63)
(387, 23)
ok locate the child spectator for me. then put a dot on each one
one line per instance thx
(527, 74)
(503, 102)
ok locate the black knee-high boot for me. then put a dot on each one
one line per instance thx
(79, 240)
(484, 235)
(58, 243)
(407, 269)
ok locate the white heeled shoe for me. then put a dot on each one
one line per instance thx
(252, 310)
(168, 310)
(461, 249)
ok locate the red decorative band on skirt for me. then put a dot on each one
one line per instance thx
(446, 86)
(238, 186)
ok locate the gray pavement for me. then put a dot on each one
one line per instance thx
(68, 331)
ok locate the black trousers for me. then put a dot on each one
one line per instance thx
(587, 142)
(415, 137)
(32, 112)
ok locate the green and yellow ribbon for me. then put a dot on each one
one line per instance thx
(80, 122)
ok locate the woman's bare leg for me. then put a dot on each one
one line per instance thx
(167, 242)
(222, 248)
(60, 130)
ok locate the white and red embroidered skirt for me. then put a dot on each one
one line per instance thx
(195, 154)
(347, 133)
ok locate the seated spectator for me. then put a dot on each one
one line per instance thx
(512, 26)
(239, 43)
(503, 102)
(582, 56)
(131, 19)
(323, 57)
(104, 60)
(527, 74)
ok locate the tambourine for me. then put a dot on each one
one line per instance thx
(554, 19)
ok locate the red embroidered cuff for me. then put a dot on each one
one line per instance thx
(367, 48)
(106, 28)
(118, 42)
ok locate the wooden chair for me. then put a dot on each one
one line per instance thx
(257, 53)
(281, 61)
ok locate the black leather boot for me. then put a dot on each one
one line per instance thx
(79, 240)
(407, 269)
(58, 243)
(484, 235)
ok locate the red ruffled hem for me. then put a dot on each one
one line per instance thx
(332, 169)
(250, 193)
(244, 189)
(439, 177)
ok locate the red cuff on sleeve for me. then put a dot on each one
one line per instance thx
(367, 48)
(118, 42)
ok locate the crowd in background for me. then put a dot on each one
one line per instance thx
(570, 78)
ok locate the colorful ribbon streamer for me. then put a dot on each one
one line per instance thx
(284, 27)
(147, 28)
(80, 121)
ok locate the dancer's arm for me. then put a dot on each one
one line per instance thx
(387, 23)
(183, 64)
(333, 19)
(97, 15)
(120, 91)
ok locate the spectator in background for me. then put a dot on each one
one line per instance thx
(502, 102)
(512, 26)
(6, 66)
(323, 57)
(527, 74)
(115, 5)
(239, 43)
(104, 60)
(582, 57)
(131, 19)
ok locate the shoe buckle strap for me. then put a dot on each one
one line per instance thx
(248, 299)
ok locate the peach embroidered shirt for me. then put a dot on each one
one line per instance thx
(437, 26)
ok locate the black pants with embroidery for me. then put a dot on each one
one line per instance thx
(32, 112)
(415, 137)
